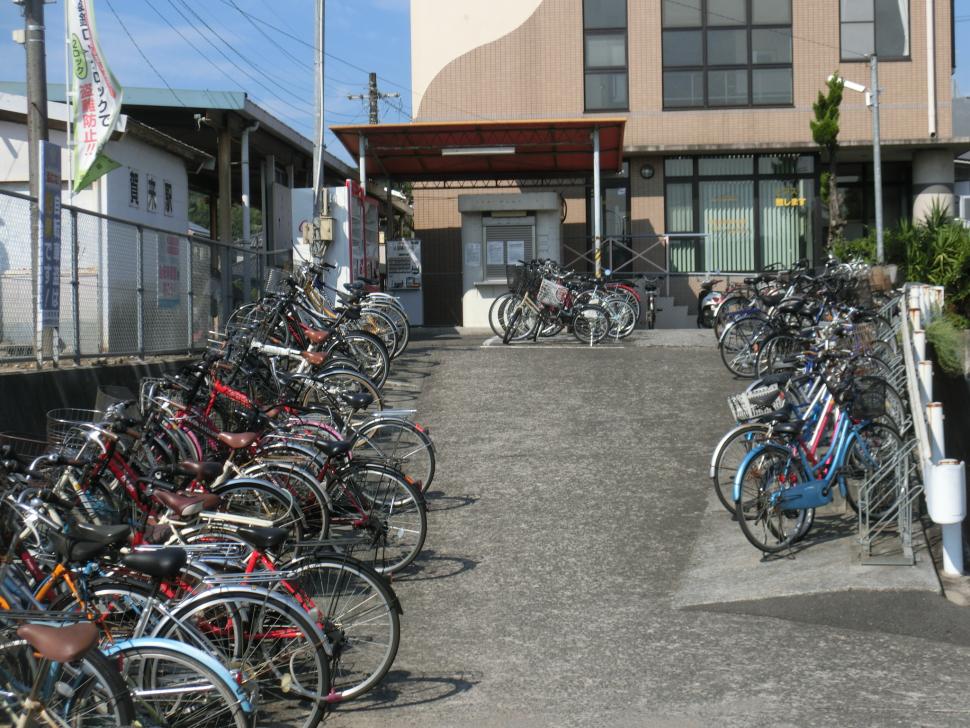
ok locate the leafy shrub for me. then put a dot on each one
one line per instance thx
(949, 344)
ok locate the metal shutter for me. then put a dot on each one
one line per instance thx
(496, 231)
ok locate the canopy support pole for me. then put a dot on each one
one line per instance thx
(597, 212)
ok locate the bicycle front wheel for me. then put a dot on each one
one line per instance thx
(765, 522)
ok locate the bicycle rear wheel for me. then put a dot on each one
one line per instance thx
(591, 323)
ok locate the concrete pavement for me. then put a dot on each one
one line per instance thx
(578, 571)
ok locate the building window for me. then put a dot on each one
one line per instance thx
(719, 53)
(605, 55)
(133, 200)
(152, 202)
(739, 213)
(879, 27)
(169, 202)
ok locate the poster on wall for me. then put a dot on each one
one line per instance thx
(403, 265)
(168, 272)
(516, 251)
(495, 252)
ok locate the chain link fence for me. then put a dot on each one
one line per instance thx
(125, 289)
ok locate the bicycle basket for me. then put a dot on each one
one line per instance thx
(551, 293)
(64, 426)
(868, 401)
(757, 402)
(518, 277)
(25, 446)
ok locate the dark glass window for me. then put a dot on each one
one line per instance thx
(720, 53)
(874, 26)
(605, 54)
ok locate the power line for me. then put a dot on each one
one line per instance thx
(142, 53)
(235, 65)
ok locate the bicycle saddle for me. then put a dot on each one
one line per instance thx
(335, 447)
(263, 539)
(206, 470)
(60, 644)
(358, 400)
(157, 563)
(237, 440)
(74, 551)
(314, 358)
(181, 504)
(316, 336)
(114, 535)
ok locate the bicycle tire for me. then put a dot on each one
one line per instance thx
(400, 444)
(729, 455)
(591, 323)
(276, 633)
(394, 513)
(358, 611)
(765, 524)
(97, 697)
(874, 446)
(173, 686)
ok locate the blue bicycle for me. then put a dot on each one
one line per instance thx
(781, 482)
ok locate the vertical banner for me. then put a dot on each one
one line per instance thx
(168, 272)
(97, 97)
(50, 235)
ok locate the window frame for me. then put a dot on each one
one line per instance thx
(695, 178)
(888, 59)
(607, 70)
(749, 67)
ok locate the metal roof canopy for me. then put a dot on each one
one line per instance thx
(465, 150)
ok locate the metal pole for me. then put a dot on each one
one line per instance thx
(362, 164)
(877, 158)
(189, 296)
(318, 134)
(36, 133)
(75, 287)
(247, 231)
(140, 289)
(597, 212)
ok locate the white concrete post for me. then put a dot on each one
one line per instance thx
(925, 371)
(919, 344)
(934, 418)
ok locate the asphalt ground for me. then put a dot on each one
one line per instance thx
(578, 572)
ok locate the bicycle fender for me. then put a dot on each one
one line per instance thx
(194, 653)
(736, 494)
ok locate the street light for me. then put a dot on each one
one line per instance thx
(872, 100)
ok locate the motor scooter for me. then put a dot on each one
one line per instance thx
(708, 301)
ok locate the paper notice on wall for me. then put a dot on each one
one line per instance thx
(516, 250)
(473, 255)
(495, 254)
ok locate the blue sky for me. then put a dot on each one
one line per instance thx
(272, 64)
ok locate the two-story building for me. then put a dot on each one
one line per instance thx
(719, 170)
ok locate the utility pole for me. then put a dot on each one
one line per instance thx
(36, 133)
(877, 158)
(373, 96)
(319, 193)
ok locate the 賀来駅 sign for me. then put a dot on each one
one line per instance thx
(49, 206)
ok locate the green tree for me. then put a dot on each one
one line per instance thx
(825, 133)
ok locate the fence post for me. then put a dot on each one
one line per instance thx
(189, 298)
(75, 288)
(140, 290)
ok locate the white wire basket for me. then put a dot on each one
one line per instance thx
(551, 293)
(756, 402)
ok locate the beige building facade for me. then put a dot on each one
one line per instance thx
(720, 170)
